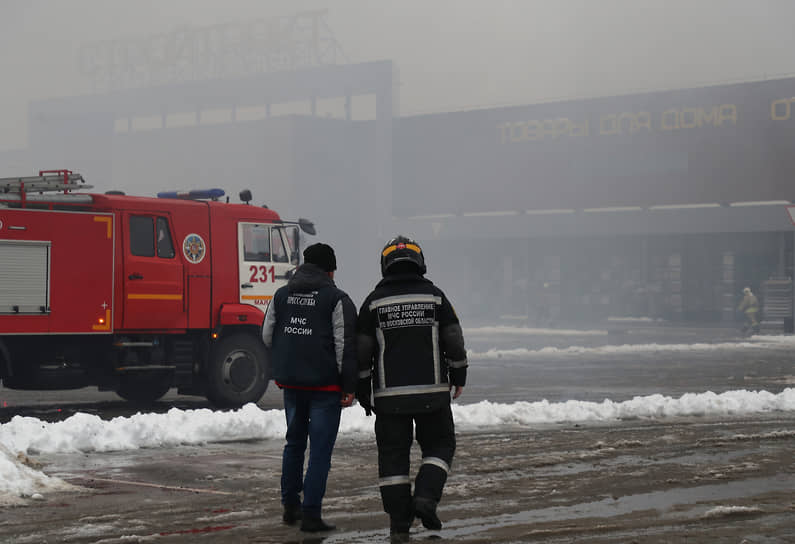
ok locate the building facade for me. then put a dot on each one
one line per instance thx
(659, 205)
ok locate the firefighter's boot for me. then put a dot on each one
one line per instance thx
(292, 514)
(399, 528)
(425, 509)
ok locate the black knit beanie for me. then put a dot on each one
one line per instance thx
(321, 255)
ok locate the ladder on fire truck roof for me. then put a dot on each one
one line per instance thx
(21, 189)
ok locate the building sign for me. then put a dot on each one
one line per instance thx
(713, 144)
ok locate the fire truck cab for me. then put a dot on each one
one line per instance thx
(138, 294)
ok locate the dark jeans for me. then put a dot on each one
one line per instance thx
(314, 415)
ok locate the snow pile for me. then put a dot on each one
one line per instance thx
(778, 339)
(619, 319)
(86, 433)
(528, 331)
(17, 480)
(487, 414)
(757, 342)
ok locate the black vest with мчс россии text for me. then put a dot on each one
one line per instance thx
(303, 345)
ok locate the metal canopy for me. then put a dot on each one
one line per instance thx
(246, 91)
(585, 224)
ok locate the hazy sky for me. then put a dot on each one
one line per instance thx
(452, 54)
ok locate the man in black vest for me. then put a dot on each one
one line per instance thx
(411, 355)
(310, 328)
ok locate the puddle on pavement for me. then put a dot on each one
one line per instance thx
(569, 468)
(662, 501)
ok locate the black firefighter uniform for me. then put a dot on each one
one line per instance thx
(412, 348)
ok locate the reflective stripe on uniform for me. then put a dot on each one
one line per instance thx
(404, 299)
(379, 335)
(364, 374)
(457, 364)
(411, 390)
(435, 461)
(394, 480)
(437, 368)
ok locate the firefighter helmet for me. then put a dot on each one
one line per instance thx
(402, 249)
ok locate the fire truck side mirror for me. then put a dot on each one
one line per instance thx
(307, 226)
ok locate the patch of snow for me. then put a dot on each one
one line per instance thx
(619, 319)
(529, 331)
(18, 481)
(727, 511)
(760, 342)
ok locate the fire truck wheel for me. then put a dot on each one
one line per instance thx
(143, 388)
(237, 372)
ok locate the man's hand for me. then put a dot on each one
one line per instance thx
(458, 390)
(347, 399)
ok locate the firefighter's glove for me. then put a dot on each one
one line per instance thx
(364, 395)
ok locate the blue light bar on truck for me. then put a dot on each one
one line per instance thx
(196, 194)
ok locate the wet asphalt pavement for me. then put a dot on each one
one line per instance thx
(694, 479)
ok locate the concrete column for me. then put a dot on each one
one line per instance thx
(793, 283)
(782, 255)
(727, 286)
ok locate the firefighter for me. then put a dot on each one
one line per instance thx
(411, 356)
(749, 305)
(310, 328)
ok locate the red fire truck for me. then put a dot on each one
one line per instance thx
(137, 294)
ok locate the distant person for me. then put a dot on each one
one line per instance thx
(749, 305)
(411, 355)
(310, 328)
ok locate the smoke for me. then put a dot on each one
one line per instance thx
(449, 55)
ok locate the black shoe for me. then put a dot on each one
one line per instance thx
(292, 514)
(315, 525)
(425, 509)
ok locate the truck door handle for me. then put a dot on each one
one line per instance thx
(246, 285)
(135, 276)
